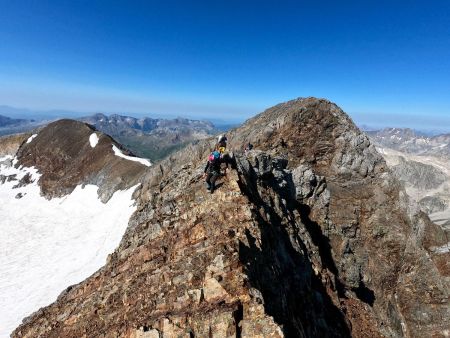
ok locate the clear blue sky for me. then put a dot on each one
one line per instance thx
(383, 62)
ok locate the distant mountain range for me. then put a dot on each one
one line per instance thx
(146, 137)
(422, 164)
(411, 141)
(151, 138)
(10, 126)
(7, 121)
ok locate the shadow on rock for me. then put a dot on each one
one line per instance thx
(292, 294)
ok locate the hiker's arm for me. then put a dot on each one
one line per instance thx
(206, 167)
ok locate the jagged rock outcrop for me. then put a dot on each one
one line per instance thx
(309, 235)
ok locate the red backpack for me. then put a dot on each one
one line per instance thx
(214, 156)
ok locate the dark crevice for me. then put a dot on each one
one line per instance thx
(318, 238)
(238, 315)
(191, 334)
(322, 242)
(365, 294)
(292, 294)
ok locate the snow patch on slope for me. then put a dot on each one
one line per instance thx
(31, 138)
(443, 249)
(93, 140)
(143, 161)
(5, 159)
(48, 245)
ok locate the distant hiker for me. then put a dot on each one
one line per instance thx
(212, 170)
(248, 147)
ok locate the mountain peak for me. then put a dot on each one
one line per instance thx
(63, 153)
(308, 235)
(313, 131)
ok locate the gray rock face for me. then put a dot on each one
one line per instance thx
(307, 184)
(433, 204)
(419, 175)
(309, 235)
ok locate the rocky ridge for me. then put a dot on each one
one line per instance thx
(309, 235)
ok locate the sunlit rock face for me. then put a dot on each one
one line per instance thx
(308, 235)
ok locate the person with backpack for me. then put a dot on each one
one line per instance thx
(212, 170)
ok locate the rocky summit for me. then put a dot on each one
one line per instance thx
(308, 235)
(65, 156)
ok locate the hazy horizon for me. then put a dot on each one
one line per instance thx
(398, 122)
(383, 63)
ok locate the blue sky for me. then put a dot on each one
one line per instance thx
(383, 62)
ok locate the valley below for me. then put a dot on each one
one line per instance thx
(423, 166)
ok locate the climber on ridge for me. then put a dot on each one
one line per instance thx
(212, 170)
(221, 147)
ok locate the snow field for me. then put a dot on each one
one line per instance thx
(143, 161)
(48, 245)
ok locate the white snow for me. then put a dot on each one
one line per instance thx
(143, 161)
(443, 249)
(6, 158)
(381, 150)
(93, 140)
(46, 246)
(31, 138)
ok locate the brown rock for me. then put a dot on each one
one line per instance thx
(308, 236)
